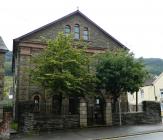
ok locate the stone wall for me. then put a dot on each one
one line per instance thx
(151, 114)
(2, 73)
(36, 122)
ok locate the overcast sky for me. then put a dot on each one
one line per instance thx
(138, 24)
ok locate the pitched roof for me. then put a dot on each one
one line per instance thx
(150, 81)
(3, 47)
(71, 14)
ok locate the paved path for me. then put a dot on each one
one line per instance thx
(151, 136)
(92, 133)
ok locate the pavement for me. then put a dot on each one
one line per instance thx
(98, 133)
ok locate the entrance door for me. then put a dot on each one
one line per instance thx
(99, 107)
(56, 104)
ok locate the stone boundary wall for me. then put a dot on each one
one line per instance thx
(151, 114)
(36, 122)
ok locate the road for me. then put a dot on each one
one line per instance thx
(151, 136)
(95, 133)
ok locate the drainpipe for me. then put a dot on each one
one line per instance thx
(154, 92)
(120, 112)
(136, 101)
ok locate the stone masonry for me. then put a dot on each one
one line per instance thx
(83, 113)
(32, 43)
(108, 113)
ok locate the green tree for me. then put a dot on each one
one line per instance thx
(63, 67)
(119, 72)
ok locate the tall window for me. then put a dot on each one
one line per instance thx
(76, 31)
(85, 34)
(73, 105)
(142, 93)
(36, 103)
(67, 29)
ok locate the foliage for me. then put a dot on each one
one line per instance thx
(8, 64)
(8, 69)
(119, 72)
(63, 67)
(14, 125)
(8, 82)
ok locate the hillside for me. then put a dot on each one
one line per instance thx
(154, 65)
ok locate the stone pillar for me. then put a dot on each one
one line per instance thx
(108, 113)
(83, 113)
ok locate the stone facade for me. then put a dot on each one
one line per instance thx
(90, 110)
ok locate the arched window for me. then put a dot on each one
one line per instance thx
(77, 31)
(67, 29)
(36, 103)
(85, 34)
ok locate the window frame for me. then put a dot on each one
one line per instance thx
(142, 93)
(77, 31)
(67, 27)
(85, 34)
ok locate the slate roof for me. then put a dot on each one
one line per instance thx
(3, 47)
(150, 81)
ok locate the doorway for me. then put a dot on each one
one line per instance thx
(99, 108)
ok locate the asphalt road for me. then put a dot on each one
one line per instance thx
(96, 133)
(151, 136)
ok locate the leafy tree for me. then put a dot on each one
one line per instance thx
(119, 72)
(63, 67)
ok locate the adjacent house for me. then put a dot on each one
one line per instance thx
(151, 91)
(67, 112)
